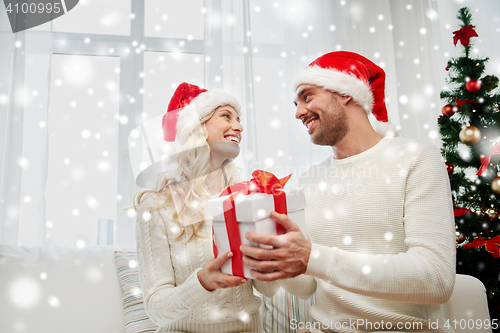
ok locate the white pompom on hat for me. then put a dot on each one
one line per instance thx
(349, 73)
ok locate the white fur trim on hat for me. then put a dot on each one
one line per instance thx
(339, 82)
(189, 117)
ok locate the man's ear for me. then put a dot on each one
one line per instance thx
(345, 99)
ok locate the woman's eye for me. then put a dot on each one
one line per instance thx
(226, 115)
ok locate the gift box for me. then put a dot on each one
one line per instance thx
(252, 215)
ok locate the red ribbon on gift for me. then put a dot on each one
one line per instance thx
(262, 182)
(214, 244)
(464, 35)
(491, 245)
(486, 160)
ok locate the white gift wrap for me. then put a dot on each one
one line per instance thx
(253, 215)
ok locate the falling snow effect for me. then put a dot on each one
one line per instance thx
(85, 121)
(25, 292)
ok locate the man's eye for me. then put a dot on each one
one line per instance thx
(306, 98)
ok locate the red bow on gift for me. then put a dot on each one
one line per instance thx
(485, 160)
(460, 211)
(464, 35)
(262, 182)
(491, 245)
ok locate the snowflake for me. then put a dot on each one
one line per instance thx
(54, 301)
(25, 292)
(92, 202)
(94, 274)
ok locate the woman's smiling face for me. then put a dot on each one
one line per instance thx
(224, 126)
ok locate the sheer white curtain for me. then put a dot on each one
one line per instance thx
(25, 60)
(257, 47)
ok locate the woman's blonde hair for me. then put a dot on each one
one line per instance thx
(188, 182)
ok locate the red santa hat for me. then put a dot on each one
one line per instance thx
(187, 107)
(351, 74)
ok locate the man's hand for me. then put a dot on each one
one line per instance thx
(288, 258)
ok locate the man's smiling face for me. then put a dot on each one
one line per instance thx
(322, 114)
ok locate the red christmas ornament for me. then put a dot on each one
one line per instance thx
(473, 85)
(449, 168)
(447, 68)
(449, 110)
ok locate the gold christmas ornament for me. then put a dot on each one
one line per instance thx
(470, 135)
(495, 185)
(491, 212)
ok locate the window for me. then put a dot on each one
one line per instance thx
(103, 17)
(83, 147)
(167, 21)
(115, 65)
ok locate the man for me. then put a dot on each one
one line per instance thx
(381, 249)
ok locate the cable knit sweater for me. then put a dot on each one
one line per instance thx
(383, 240)
(173, 296)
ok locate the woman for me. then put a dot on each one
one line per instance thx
(183, 288)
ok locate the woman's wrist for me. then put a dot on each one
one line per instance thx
(202, 282)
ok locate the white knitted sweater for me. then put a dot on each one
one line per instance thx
(173, 296)
(382, 228)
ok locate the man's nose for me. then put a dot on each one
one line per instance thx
(300, 112)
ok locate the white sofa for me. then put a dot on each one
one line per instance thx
(52, 290)
(59, 290)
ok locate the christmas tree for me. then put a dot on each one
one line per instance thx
(470, 130)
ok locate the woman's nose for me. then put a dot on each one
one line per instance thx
(237, 126)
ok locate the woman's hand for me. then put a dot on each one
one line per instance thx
(212, 278)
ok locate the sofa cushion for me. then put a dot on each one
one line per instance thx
(53, 290)
(135, 318)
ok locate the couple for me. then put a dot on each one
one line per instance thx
(381, 259)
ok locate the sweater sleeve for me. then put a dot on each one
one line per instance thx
(425, 273)
(303, 286)
(267, 289)
(165, 301)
